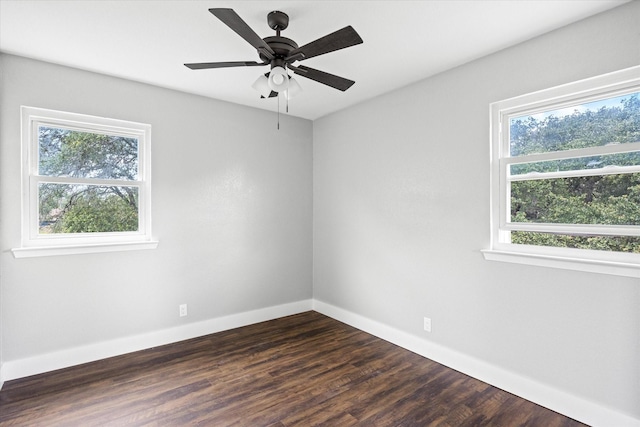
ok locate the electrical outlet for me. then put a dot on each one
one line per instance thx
(427, 324)
(183, 310)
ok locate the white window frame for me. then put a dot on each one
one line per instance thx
(606, 262)
(33, 243)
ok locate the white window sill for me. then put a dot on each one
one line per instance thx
(627, 269)
(40, 251)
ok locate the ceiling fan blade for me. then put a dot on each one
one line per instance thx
(206, 65)
(271, 95)
(233, 21)
(340, 39)
(334, 81)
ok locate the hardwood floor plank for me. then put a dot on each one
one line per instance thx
(300, 370)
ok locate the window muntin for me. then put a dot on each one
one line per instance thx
(596, 165)
(587, 139)
(87, 180)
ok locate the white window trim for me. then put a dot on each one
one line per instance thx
(35, 245)
(615, 263)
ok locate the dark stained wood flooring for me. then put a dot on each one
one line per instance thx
(300, 370)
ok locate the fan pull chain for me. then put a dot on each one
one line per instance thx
(278, 111)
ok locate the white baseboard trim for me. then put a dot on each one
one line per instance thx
(570, 405)
(559, 401)
(21, 368)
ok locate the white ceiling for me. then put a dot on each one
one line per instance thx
(404, 41)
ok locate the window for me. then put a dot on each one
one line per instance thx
(86, 184)
(566, 176)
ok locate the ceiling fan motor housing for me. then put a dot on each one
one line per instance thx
(280, 45)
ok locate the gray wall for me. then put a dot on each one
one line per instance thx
(401, 212)
(232, 209)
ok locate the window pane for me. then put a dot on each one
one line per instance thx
(603, 243)
(66, 208)
(579, 163)
(606, 121)
(598, 199)
(67, 153)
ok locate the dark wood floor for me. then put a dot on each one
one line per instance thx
(300, 370)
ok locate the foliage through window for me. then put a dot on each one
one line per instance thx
(86, 207)
(586, 188)
(87, 180)
(566, 168)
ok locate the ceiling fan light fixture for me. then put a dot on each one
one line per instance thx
(278, 79)
(262, 86)
(293, 89)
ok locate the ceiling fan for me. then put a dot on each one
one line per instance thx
(281, 53)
